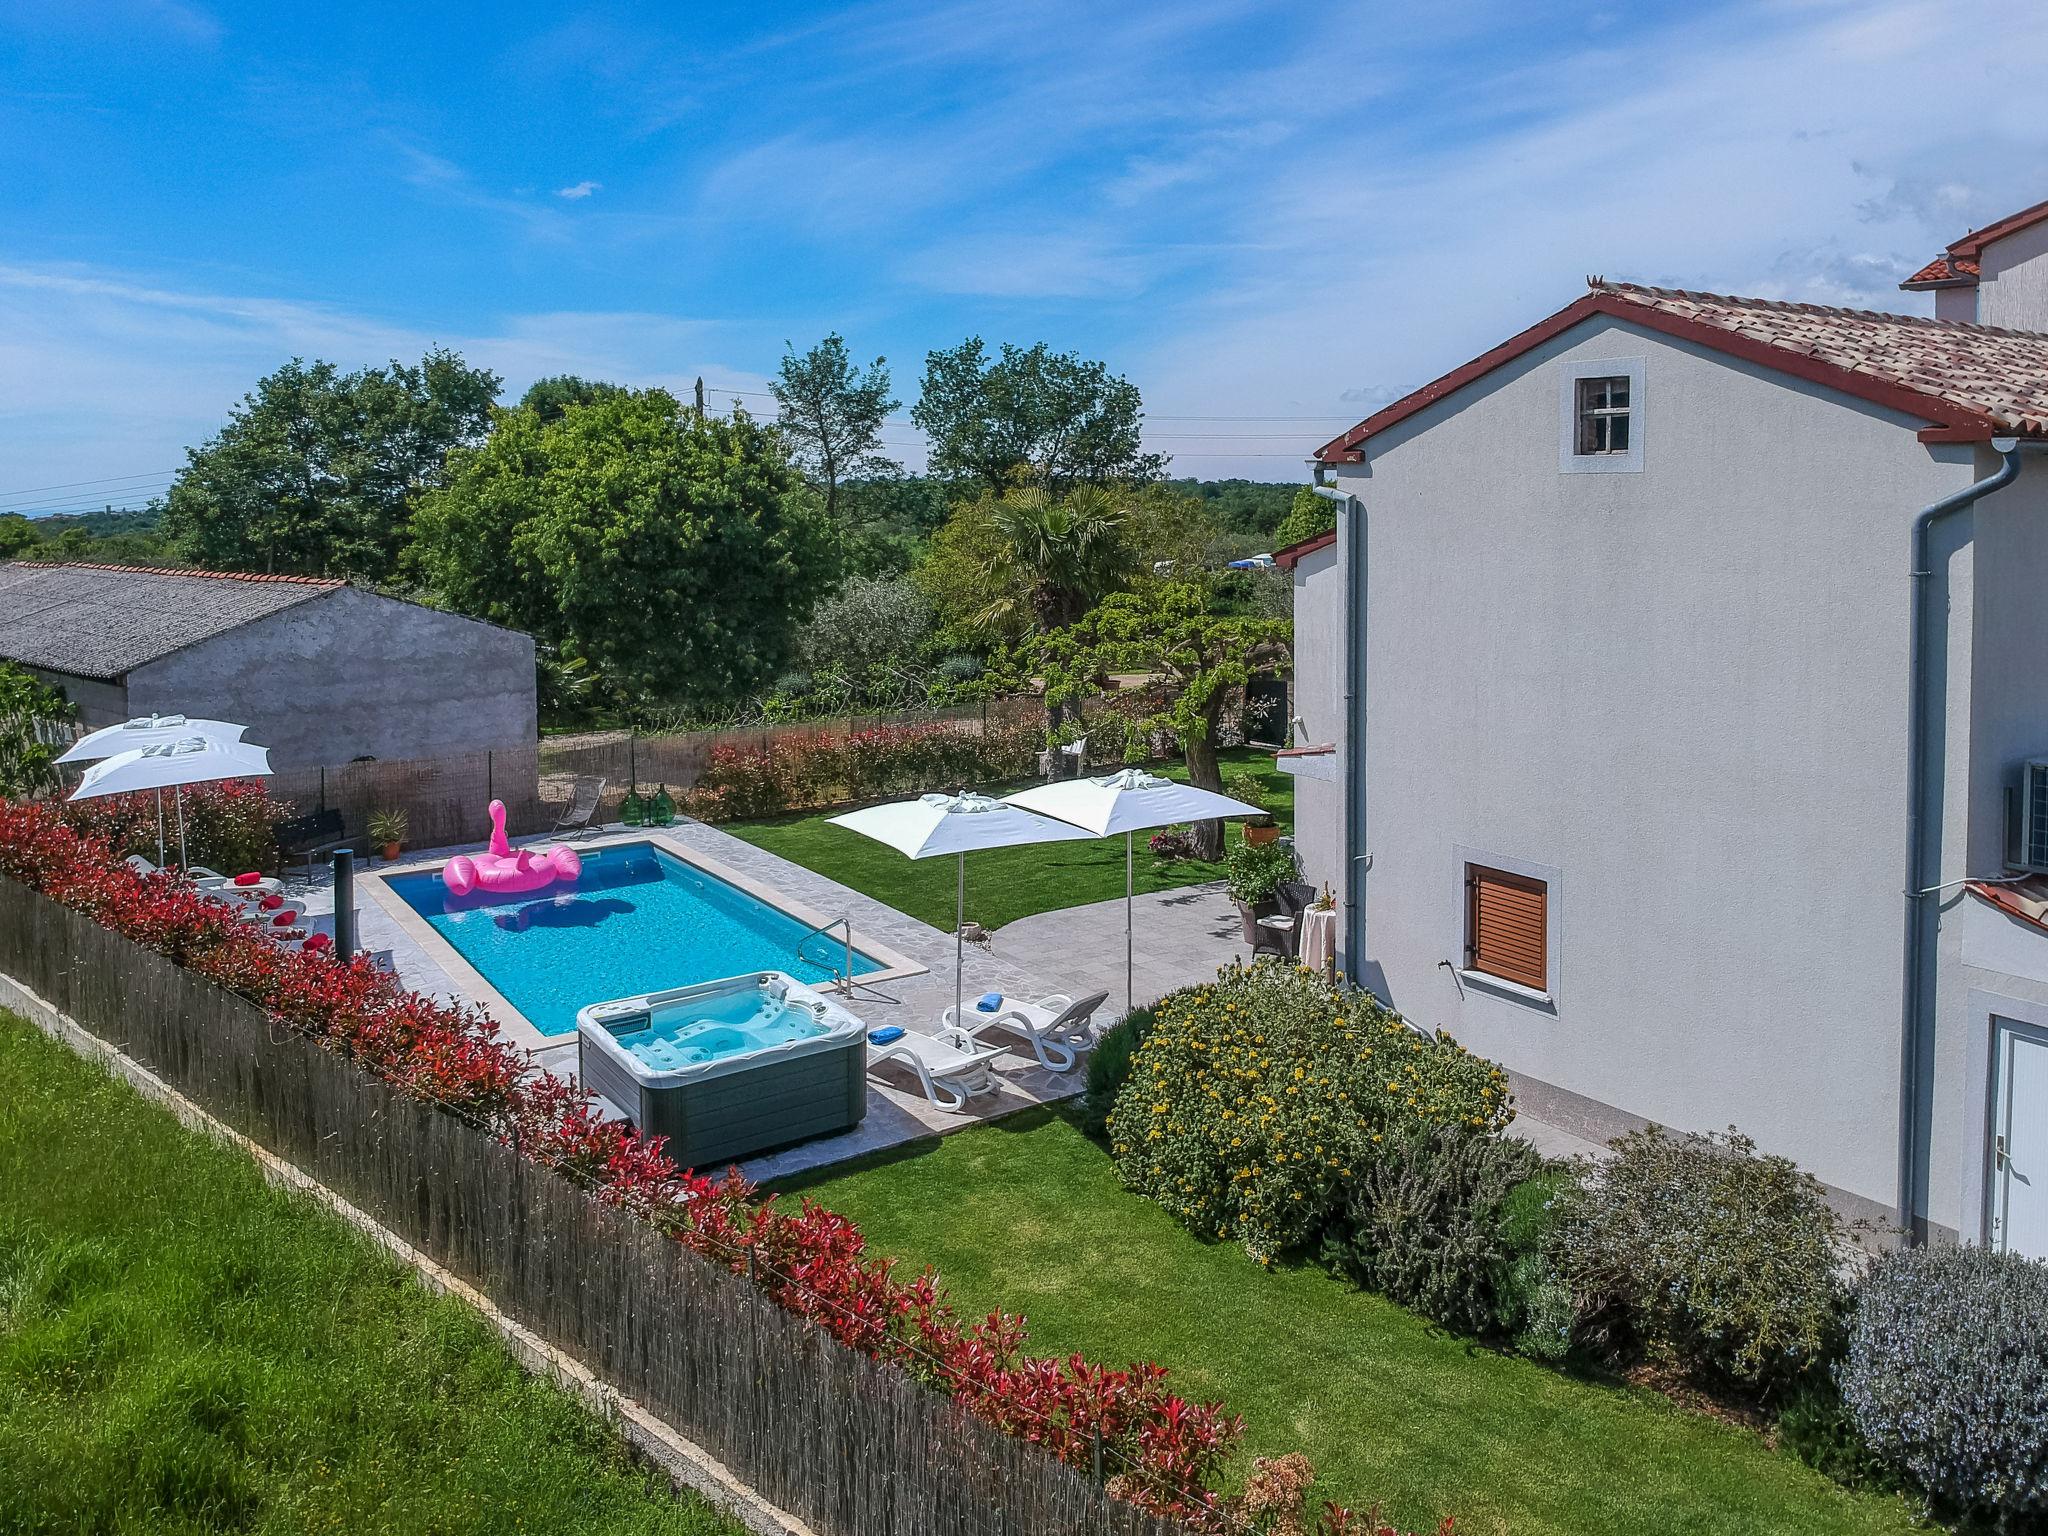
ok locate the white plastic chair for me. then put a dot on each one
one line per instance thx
(212, 881)
(1057, 1026)
(950, 1066)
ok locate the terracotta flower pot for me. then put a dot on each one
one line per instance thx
(1258, 837)
(391, 853)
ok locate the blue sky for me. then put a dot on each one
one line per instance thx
(1272, 217)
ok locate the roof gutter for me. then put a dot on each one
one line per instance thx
(1351, 522)
(1913, 1013)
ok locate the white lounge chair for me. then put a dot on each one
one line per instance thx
(213, 882)
(256, 916)
(951, 1066)
(1057, 1026)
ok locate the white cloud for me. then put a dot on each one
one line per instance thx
(105, 375)
(581, 190)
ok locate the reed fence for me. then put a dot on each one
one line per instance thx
(850, 1446)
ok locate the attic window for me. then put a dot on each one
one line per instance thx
(1600, 406)
(1603, 415)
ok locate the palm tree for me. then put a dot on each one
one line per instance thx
(1059, 558)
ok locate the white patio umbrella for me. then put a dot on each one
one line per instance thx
(149, 731)
(1128, 801)
(171, 765)
(934, 825)
(146, 731)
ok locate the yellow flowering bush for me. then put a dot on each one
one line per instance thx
(1255, 1099)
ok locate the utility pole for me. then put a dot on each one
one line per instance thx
(700, 397)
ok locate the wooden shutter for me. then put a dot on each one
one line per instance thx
(1505, 917)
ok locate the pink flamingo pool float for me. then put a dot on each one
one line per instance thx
(503, 872)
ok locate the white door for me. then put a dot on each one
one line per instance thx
(2019, 1156)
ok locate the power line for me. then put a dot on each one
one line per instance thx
(756, 394)
(145, 474)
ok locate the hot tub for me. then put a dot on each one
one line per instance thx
(727, 1068)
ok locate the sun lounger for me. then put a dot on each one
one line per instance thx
(249, 887)
(584, 799)
(950, 1066)
(1057, 1026)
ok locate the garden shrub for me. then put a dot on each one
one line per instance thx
(1255, 1100)
(1256, 871)
(1946, 1376)
(1699, 1249)
(230, 825)
(1424, 1222)
(1815, 1425)
(1109, 1064)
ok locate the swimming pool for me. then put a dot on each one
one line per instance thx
(637, 920)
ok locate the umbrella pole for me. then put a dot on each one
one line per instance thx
(159, 829)
(1130, 998)
(959, 944)
(178, 799)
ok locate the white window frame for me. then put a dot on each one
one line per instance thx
(1569, 459)
(1553, 925)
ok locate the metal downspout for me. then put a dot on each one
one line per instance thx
(1912, 1016)
(1351, 511)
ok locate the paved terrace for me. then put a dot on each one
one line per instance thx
(1182, 936)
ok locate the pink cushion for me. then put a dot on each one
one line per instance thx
(316, 942)
(251, 878)
(272, 902)
(284, 919)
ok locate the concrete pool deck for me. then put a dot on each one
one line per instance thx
(1180, 937)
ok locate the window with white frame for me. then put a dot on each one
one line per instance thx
(1601, 404)
(1603, 412)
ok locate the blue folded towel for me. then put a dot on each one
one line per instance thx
(989, 1002)
(886, 1033)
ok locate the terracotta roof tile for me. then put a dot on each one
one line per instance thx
(2026, 899)
(1988, 371)
(1287, 559)
(1944, 271)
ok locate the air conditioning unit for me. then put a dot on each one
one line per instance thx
(2032, 852)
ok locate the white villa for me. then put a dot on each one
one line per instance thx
(1672, 723)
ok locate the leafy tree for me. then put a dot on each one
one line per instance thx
(962, 574)
(1310, 515)
(1169, 631)
(17, 535)
(30, 715)
(870, 626)
(1031, 416)
(319, 470)
(1251, 507)
(550, 398)
(832, 414)
(678, 555)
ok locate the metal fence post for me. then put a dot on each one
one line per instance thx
(344, 902)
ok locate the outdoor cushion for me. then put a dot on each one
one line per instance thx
(251, 878)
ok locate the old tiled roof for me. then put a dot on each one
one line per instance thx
(1995, 373)
(1967, 382)
(103, 621)
(1958, 266)
(1945, 271)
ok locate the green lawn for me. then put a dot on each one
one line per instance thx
(1027, 1214)
(1004, 883)
(185, 1349)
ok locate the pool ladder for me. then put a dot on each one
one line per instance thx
(843, 984)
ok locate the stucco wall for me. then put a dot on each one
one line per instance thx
(351, 675)
(1319, 704)
(98, 703)
(2012, 288)
(1682, 690)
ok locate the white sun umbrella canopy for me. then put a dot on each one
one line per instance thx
(933, 826)
(146, 731)
(1129, 801)
(191, 759)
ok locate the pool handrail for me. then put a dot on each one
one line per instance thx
(844, 982)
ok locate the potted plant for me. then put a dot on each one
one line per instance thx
(1255, 872)
(1251, 789)
(387, 831)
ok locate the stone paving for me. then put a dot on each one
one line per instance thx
(1180, 937)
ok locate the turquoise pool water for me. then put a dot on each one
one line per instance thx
(638, 920)
(721, 1025)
